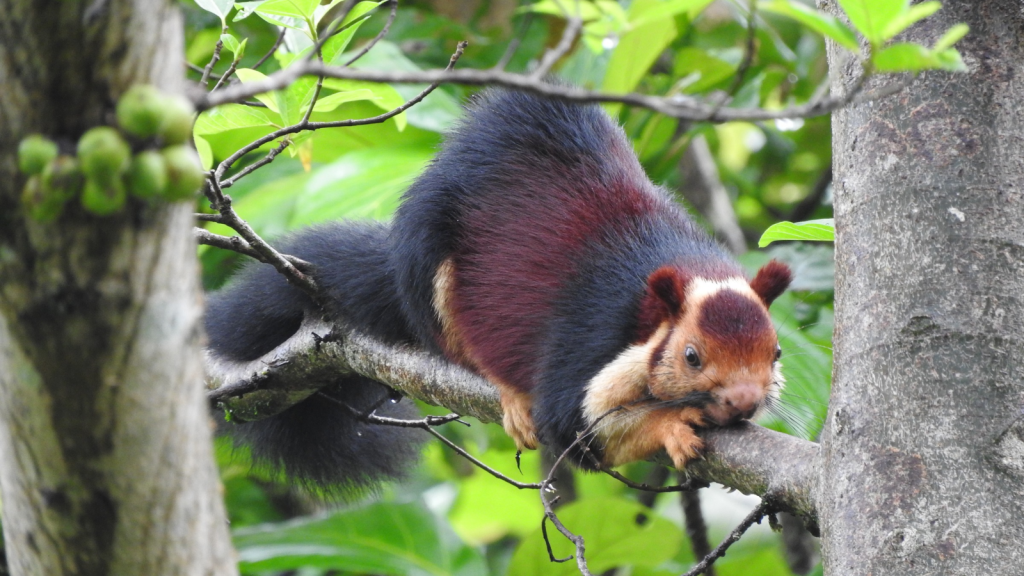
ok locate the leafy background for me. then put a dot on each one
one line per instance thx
(450, 518)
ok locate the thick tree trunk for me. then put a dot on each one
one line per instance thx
(924, 445)
(105, 453)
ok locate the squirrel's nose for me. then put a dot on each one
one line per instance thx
(736, 402)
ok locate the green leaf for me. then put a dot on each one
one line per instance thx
(247, 75)
(820, 22)
(664, 10)
(436, 112)
(231, 44)
(906, 19)
(485, 510)
(247, 121)
(811, 230)
(245, 9)
(328, 103)
(950, 59)
(218, 7)
(951, 37)
(362, 184)
(301, 9)
(334, 48)
(392, 539)
(638, 48)
(701, 70)
(588, 11)
(871, 17)
(384, 96)
(613, 537)
(907, 57)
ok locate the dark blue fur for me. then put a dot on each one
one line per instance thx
(320, 442)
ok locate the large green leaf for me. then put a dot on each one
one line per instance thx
(225, 129)
(361, 184)
(811, 230)
(486, 510)
(612, 535)
(392, 539)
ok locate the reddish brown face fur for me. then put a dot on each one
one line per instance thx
(720, 342)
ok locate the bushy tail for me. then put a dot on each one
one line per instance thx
(320, 442)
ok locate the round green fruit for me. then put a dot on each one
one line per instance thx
(178, 117)
(140, 111)
(62, 177)
(39, 202)
(147, 176)
(103, 199)
(184, 173)
(34, 152)
(103, 154)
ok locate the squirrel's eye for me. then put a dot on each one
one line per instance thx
(778, 352)
(691, 357)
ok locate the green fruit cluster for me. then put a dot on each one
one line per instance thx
(105, 169)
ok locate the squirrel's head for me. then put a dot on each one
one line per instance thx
(716, 346)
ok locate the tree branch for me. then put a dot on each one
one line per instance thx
(746, 457)
(677, 106)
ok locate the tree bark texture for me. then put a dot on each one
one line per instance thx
(924, 444)
(105, 442)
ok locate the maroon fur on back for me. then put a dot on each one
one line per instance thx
(771, 281)
(526, 244)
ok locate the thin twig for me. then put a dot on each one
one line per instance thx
(688, 486)
(572, 29)
(428, 424)
(226, 75)
(380, 35)
(200, 70)
(258, 164)
(755, 516)
(277, 44)
(230, 160)
(236, 244)
(513, 45)
(748, 59)
(481, 465)
(222, 204)
(205, 80)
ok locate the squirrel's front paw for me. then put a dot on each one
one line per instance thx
(683, 445)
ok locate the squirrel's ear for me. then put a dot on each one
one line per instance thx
(771, 281)
(663, 300)
(668, 284)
